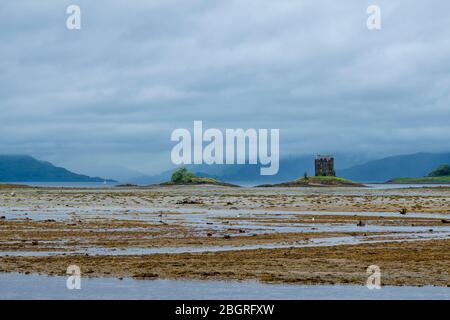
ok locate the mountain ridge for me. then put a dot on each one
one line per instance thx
(378, 170)
(25, 168)
(409, 165)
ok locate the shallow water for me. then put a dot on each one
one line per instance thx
(244, 184)
(314, 242)
(202, 219)
(220, 221)
(148, 213)
(19, 286)
(380, 186)
(68, 184)
(383, 186)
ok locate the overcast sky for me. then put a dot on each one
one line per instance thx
(111, 93)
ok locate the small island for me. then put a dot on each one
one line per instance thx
(183, 176)
(318, 181)
(440, 175)
(325, 176)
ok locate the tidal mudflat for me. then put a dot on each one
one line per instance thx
(295, 236)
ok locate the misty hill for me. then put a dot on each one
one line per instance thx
(438, 175)
(347, 166)
(290, 168)
(412, 165)
(22, 168)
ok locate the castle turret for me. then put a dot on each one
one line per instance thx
(324, 166)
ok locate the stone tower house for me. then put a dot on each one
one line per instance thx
(324, 166)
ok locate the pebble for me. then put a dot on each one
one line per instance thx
(361, 224)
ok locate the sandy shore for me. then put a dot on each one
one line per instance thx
(318, 235)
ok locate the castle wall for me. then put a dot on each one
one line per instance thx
(324, 166)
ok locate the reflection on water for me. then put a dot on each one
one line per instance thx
(18, 286)
(403, 185)
(244, 184)
(314, 242)
(69, 184)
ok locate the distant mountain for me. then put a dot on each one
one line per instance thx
(411, 165)
(22, 168)
(347, 166)
(291, 167)
(146, 179)
(103, 169)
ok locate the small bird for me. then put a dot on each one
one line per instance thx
(403, 211)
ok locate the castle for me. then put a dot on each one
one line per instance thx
(324, 166)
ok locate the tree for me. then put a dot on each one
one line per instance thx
(441, 171)
(305, 175)
(182, 175)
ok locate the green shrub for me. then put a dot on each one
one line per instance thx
(441, 171)
(182, 175)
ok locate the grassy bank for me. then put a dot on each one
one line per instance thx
(423, 180)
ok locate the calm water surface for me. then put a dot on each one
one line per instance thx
(18, 286)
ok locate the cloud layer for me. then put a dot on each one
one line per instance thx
(112, 92)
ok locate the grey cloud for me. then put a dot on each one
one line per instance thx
(113, 91)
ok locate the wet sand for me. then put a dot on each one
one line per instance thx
(280, 235)
(411, 263)
(19, 286)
